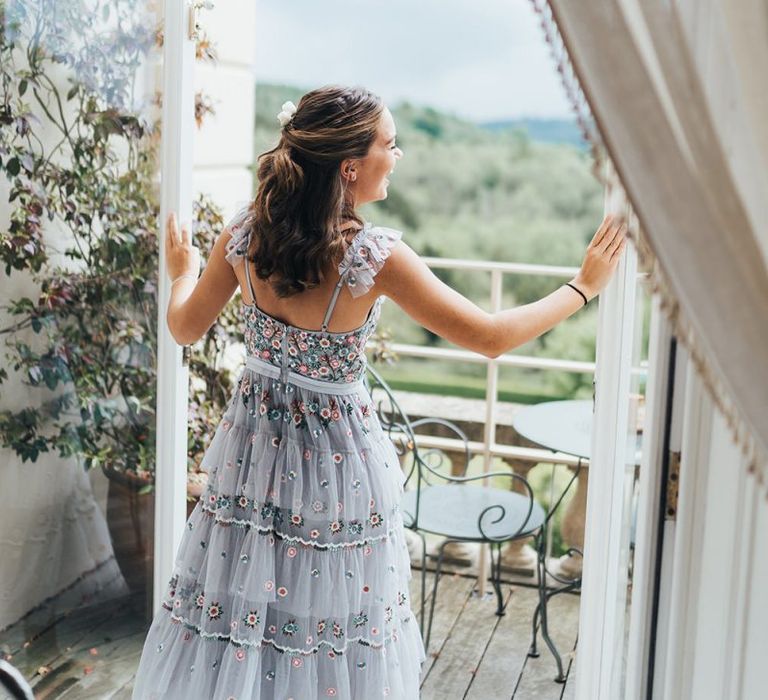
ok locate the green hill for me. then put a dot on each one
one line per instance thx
(542, 130)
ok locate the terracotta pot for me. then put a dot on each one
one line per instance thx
(131, 519)
(131, 522)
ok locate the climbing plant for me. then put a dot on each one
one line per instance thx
(80, 158)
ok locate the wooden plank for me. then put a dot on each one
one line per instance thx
(415, 591)
(452, 595)
(115, 666)
(462, 652)
(123, 693)
(569, 692)
(502, 664)
(47, 644)
(538, 678)
(67, 666)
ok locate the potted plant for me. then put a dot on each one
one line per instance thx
(86, 339)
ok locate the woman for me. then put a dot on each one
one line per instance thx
(291, 580)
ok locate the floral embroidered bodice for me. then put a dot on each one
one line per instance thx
(318, 354)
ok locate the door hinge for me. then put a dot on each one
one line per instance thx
(194, 7)
(673, 483)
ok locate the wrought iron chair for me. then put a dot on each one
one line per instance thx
(546, 592)
(450, 507)
(13, 682)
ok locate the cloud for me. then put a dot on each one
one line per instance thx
(484, 59)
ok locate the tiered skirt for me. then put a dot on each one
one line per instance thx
(292, 577)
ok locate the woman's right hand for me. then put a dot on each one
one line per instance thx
(602, 256)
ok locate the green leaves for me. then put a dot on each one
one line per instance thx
(94, 339)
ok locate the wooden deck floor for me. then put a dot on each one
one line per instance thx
(474, 654)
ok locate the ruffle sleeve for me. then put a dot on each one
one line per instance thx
(366, 256)
(238, 243)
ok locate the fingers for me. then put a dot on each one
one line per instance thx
(619, 250)
(613, 236)
(602, 230)
(618, 237)
(170, 226)
(173, 232)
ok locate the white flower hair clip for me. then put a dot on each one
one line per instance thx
(286, 114)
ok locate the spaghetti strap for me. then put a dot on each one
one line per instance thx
(247, 264)
(332, 304)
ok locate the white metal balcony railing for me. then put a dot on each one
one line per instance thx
(489, 448)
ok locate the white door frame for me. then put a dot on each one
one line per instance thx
(654, 532)
(172, 376)
(602, 610)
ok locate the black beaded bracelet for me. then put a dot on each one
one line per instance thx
(568, 284)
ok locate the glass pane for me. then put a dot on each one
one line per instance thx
(79, 154)
(634, 442)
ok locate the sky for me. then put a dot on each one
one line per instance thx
(479, 59)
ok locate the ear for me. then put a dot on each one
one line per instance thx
(348, 169)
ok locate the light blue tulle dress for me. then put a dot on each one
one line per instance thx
(291, 580)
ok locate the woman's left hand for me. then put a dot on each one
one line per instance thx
(181, 257)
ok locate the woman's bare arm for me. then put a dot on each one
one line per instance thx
(409, 282)
(195, 306)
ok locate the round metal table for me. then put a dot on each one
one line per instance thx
(563, 426)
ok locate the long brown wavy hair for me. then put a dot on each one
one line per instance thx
(302, 198)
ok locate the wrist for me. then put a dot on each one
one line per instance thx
(183, 275)
(587, 292)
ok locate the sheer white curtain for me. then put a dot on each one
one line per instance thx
(673, 92)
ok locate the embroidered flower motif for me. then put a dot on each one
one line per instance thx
(336, 526)
(269, 585)
(354, 527)
(200, 601)
(321, 624)
(296, 662)
(214, 611)
(240, 654)
(337, 630)
(374, 520)
(251, 619)
(337, 457)
(282, 591)
(291, 552)
(360, 619)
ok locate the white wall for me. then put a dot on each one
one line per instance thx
(224, 144)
